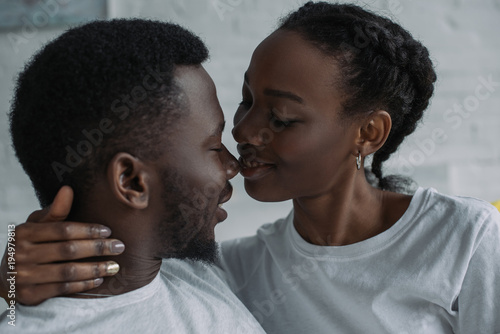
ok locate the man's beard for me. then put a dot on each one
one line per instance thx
(186, 231)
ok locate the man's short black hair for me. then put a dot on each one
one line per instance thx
(96, 90)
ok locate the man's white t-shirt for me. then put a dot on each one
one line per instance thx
(436, 270)
(185, 297)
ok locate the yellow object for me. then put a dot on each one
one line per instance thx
(497, 204)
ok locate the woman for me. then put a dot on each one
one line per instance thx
(332, 85)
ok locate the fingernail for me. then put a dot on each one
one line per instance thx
(104, 232)
(98, 281)
(112, 268)
(117, 247)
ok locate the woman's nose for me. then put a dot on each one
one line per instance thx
(250, 129)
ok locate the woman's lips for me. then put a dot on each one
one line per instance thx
(253, 170)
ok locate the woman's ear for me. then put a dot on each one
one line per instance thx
(129, 180)
(373, 132)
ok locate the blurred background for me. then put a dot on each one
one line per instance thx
(455, 150)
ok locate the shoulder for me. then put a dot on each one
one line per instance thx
(241, 257)
(462, 208)
(247, 248)
(463, 216)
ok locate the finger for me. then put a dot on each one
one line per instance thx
(65, 272)
(35, 294)
(69, 250)
(58, 210)
(37, 215)
(61, 206)
(61, 231)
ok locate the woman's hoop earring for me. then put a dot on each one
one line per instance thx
(358, 161)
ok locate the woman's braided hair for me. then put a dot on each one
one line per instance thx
(382, 67)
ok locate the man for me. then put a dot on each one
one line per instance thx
(123, 112)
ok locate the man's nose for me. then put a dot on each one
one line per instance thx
(231, 165)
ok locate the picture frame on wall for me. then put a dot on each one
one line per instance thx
(26, 14)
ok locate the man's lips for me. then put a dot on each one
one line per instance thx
(226, 194)
(255, 169)
(220, 213)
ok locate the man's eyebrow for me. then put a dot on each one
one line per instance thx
(279, 93)
(217, 132)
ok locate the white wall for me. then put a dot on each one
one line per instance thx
(462, 37)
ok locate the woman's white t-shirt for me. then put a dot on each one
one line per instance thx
(436, 270)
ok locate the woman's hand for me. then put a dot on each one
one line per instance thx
(45, 246)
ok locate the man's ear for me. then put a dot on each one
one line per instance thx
(373, 132)
(129, 180)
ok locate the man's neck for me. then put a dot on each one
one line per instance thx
(138, 265)
(129, 278)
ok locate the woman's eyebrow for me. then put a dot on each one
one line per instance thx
(279, 93)
(283, 94)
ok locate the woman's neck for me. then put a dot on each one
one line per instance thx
(351, 213)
